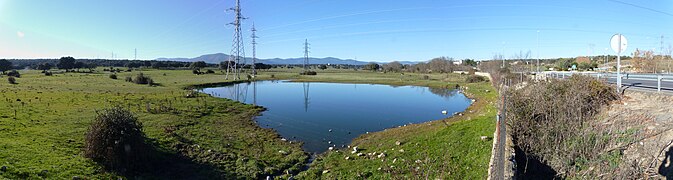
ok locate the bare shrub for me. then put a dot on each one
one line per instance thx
(551, 121)
(115, 139)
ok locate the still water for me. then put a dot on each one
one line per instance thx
(332, 114)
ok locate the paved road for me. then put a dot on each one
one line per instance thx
(638, 81)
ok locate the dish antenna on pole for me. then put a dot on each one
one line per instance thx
(618, 44)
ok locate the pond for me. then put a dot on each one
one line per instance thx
(333, 114)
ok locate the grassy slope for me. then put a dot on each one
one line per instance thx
(54, 112)
(48, 132)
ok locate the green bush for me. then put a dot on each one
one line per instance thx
(14, 73)
(142, 79)
(312, 73)
(116, 140)
(113, 76)
(474, 79)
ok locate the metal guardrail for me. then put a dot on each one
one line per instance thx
(630, 76)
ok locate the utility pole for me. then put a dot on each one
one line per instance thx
(503, 54)
(135, 54)
(538, 52)
(254, 50)
(113, 55)
(619, 68)
(237, 51)
(306, 55)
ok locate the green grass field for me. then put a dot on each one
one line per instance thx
(43, 121)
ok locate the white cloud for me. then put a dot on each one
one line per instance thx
(20, 34)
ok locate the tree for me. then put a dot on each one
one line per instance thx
(322, 66)
(441, 65)
(5, 65)
(470, 62)
(393, 67)
(44, 67)
(198, 65)
(371, 66)
(66, 63)
(79, 65)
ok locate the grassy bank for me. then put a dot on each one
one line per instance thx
(201, 137)
(207, 137)
(449, 149)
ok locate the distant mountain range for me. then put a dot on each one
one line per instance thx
(219, 57)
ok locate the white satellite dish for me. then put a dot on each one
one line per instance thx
(616, 40)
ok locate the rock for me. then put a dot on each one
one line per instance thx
(330, 130)
(382, 155)
(394, 160)
(330, 148)
(361, 154)
(378, 169)
(43, 173)
(283, 152)
(484, 138)
(329, 142)
(398, 143)
(355, 148)
(347, 157)
(325, 171)
(418, 161)
(401, 150)
(283, 139)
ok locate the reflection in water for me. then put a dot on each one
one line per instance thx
(340, 112)
(306, 86)
(443, 92)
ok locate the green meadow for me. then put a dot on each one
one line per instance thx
(44, 119)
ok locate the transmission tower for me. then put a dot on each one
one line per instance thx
(237, 54)
(254, 50)
(135, 54)
(306, 55)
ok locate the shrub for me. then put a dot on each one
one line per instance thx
(14, 73)
(113, 76)
(115, 139)
(48, 73)
(128, 79)
(312, 73)
(551, 121)
(210, 71)
(196, 71)
(11, 80)
(474, 79)
(142, 79)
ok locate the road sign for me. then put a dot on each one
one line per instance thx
(616, 40)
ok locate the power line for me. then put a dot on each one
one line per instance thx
(237, 51)
(642, 7)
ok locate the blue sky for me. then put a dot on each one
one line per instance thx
(376, 30)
